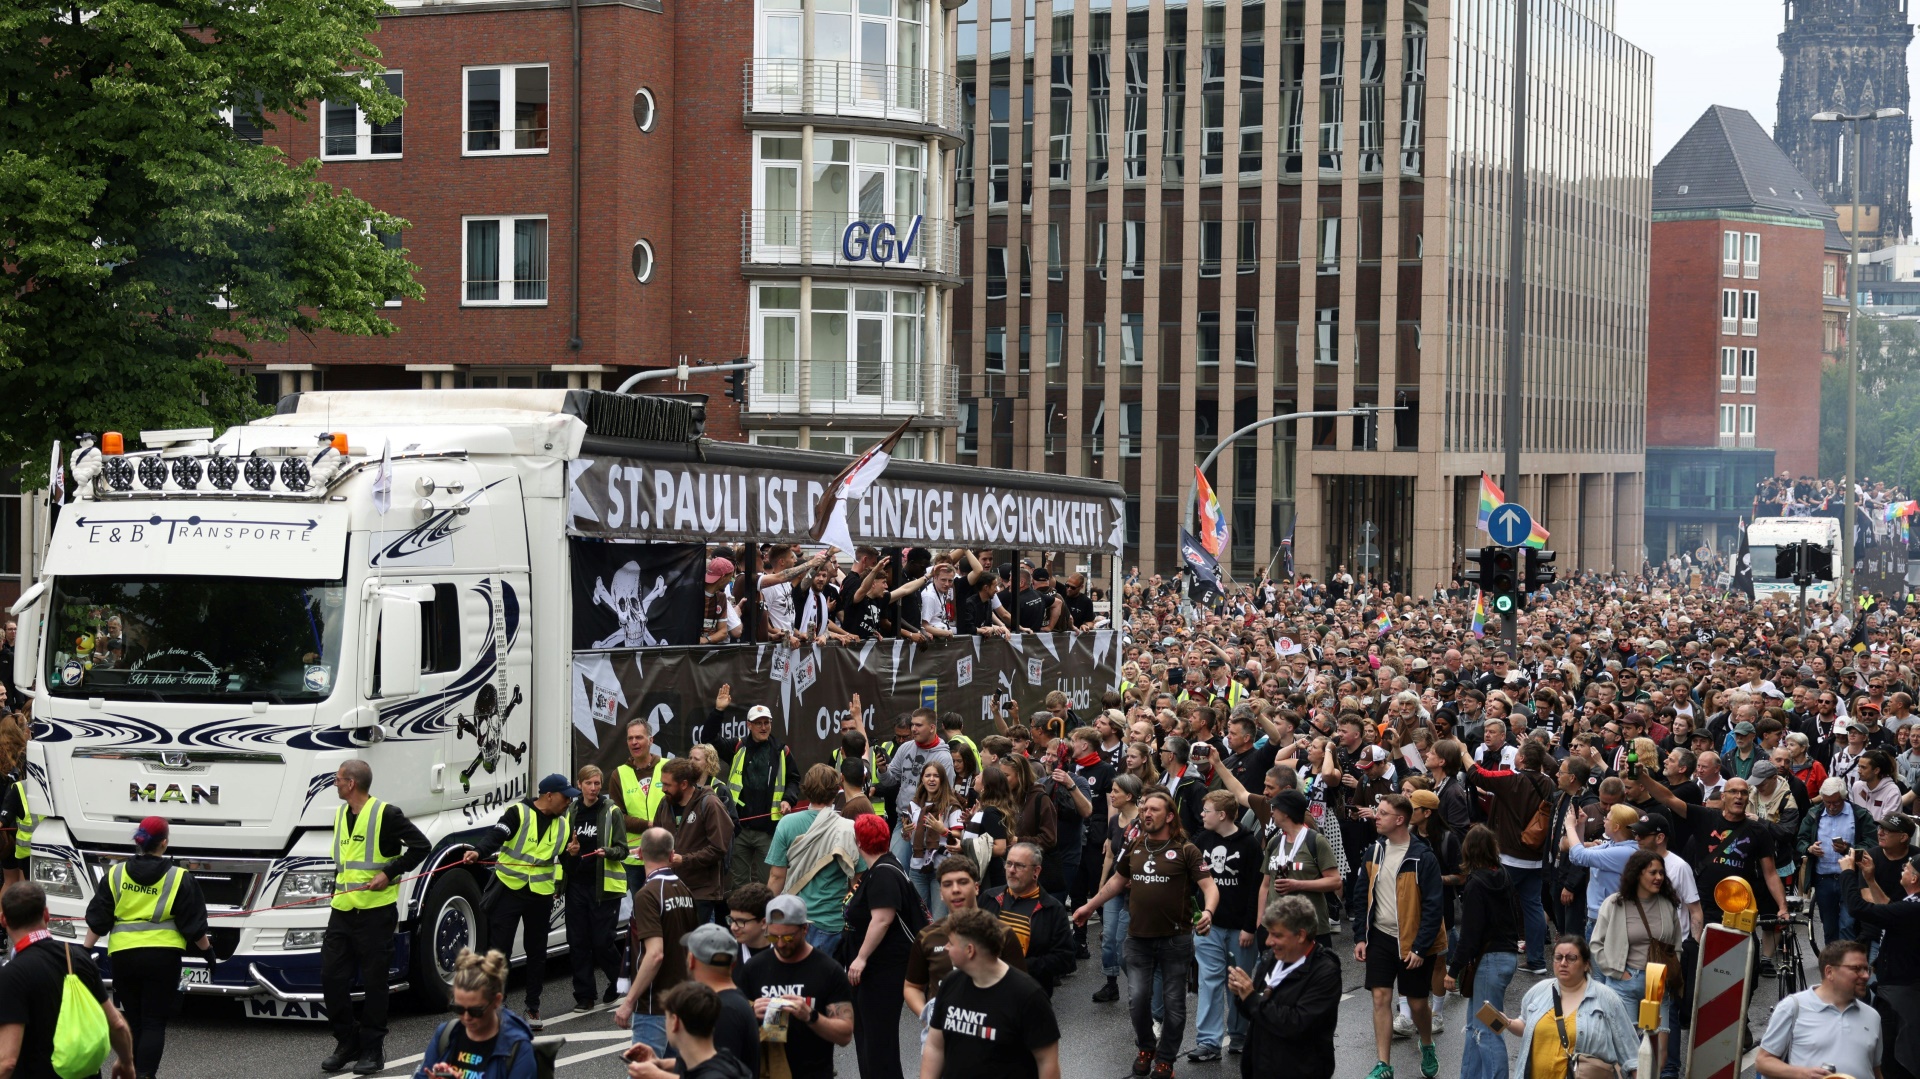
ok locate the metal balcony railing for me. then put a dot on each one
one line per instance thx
(913, 95)
(821, 238)
(853, 387)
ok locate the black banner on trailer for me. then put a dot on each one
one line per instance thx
(809, 688)
(636, 595)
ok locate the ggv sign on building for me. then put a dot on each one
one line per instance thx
(879, 242)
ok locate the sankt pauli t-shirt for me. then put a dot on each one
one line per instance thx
(993, 1031)
(820, 981)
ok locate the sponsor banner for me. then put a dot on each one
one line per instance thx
(632, 499)
(218, 539)
(810, 688)
(636, 595)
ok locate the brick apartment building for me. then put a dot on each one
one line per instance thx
(734, 183)
(1748, 281)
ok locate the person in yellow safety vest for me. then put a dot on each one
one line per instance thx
(637, 786)
(525, 845)
(148, 909)
(16, 812)
(595, 877)
(953, 729)
(758, 770)
(374, 845)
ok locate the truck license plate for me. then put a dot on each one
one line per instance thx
(195, 976)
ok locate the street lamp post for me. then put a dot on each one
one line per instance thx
(1193, 490)
(1858, 120)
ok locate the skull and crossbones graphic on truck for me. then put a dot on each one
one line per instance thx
(626, 603)
(488, 725)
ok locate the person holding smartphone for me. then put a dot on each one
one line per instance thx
(483, 1040)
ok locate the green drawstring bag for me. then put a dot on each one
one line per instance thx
(80, 1039)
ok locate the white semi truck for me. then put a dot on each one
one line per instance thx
(391, 576)
(1765, 537)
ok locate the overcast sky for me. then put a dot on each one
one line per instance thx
(1711, 52)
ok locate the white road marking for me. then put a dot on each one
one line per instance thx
(606, 1050)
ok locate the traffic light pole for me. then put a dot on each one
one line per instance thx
(1516, 283)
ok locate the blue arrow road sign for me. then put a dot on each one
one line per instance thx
(1510, 524)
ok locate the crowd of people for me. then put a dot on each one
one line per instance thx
(1306, 785)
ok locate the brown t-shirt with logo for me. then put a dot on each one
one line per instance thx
(1164, 877)
(663, 908)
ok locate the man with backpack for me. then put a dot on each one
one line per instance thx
(1520, 815)
(34, 987)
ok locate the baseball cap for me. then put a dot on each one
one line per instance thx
(759, 711)
(152, 830)
(718, 568)
(1898, 823)
(787, 910)
(1834, 785)
(1373, 753)
(712, 944)
(1743, 727)
(1762, 771)
(555, 783)
(1423, 799)
(1651, 824)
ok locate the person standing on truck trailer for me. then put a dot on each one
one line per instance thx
(374, 845)
(528, 839)
(757, 771)
(151, 908)
(640, 793)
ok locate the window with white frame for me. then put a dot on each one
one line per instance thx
(1094, 344)
(1249, 246)
(1749, 313)
(967, 436)
(1133, 330)
(1130, 429)
(1096, 431)
(1729, 310)
(505, 260)
(1326, 340)
(1206, 339)
(1210, 244)
(996, 273)
(997, 349)
(506, 109)
(1133, 235)
(346, 135)
(1746, 421)
(1056, 338)
(1751, 261)
(865, 60)
(1829, 279)
(1329, 245)
(867, 344)
(1749, 370)
(1726, 421)
(1056, 261)
(1730, 254)
(1729, 368)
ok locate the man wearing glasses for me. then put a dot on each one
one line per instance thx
(1079, 605)
(1827, 1029)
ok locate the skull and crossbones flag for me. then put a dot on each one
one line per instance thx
(636, 595)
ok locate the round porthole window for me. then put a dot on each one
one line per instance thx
(644, 110)
(643, 262)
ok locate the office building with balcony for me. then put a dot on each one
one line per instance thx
(1177, 219)
(1748, 284)
(608, 187)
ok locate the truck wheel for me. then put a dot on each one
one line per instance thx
(449, 921)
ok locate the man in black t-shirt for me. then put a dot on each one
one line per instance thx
(976, 615)
(1725, 842)
(1040, 609)
(31, 987)
(806, 982)
(1079, 605)
(987, 1018)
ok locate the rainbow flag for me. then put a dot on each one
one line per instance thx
(1213, 524)
(1479, 614)
(1538, 540)
(1382, 624)
(1490, 499)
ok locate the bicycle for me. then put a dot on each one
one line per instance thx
(1789, 963)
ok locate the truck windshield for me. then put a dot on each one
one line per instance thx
(195, 638)
(1763, 560)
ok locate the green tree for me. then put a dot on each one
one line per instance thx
(1887, 441)
(143, 242)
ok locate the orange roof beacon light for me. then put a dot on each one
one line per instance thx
(339, 439)
(112, 444)
(1734, 897)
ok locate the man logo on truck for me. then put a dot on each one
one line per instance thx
(194, 795)
(488, 725)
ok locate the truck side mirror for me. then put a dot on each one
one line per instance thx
(26, 648)
(399, 647)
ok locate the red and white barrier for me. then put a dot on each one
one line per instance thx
(1720, 1003)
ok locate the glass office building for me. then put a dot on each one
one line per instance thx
(1177, 219)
